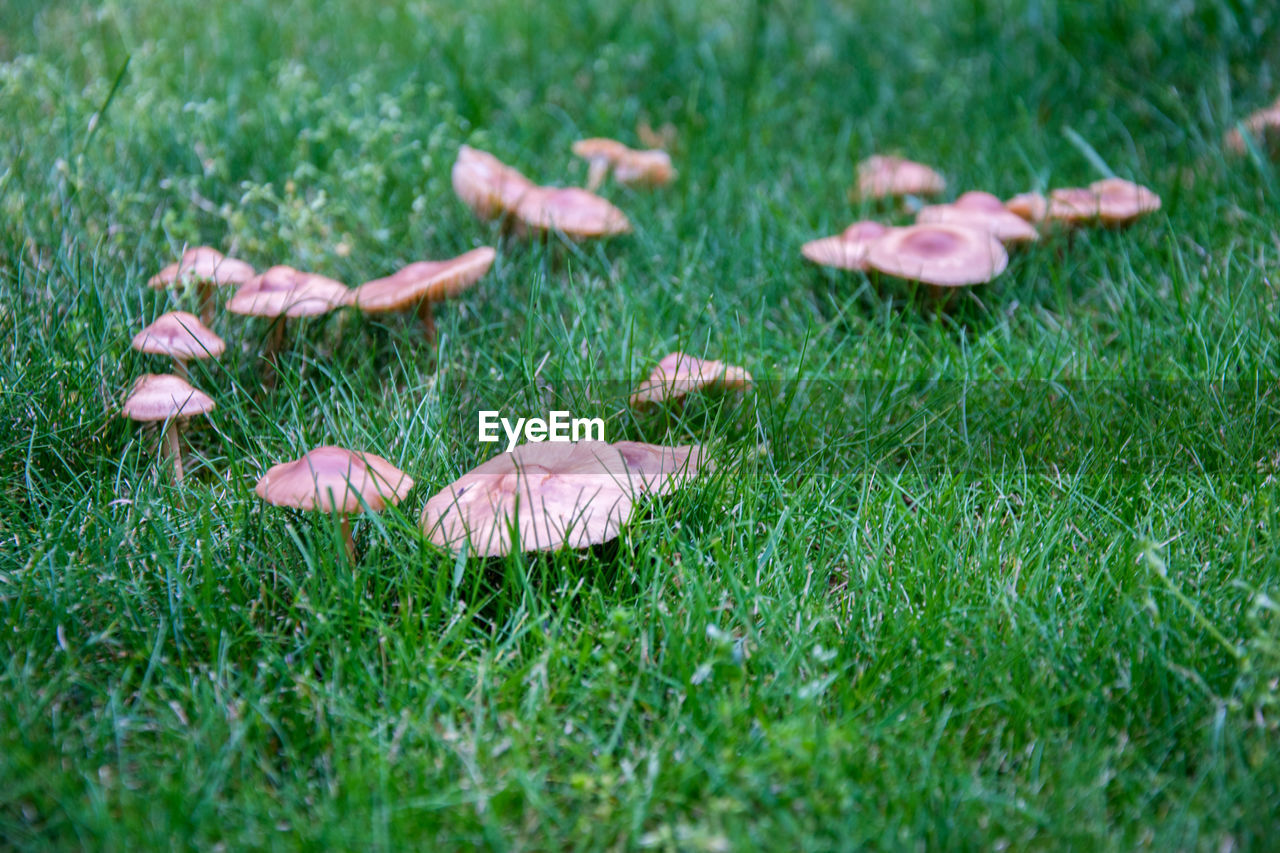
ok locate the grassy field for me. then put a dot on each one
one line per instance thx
(995, 571)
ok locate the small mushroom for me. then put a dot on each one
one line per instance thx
(1263, 125)
(573, 212)
(485, 184)
(980, 210)
(940, 255)
(182, 337)
(881, 176)
(282, 292)
(846, 250)
(421, 284)
(209, 269)
(337, 480)
(1113, 201)
(630, 167)
(678, 374)
(1032, 207)
(546, 496)
(163, 397)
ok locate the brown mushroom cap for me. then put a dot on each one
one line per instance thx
(678, 374)
(880, 176)
(285, 291)
(1032, 207)
(335, 479)
(554, 494)
(203, 263)
(1121, 201)
(572, 211)
(980, 210)
(428, 281)
(179, 335)
(847, 250)
(161, 396)
(941, 255)
(485, 184)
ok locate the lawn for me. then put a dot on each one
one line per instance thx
(994, 569)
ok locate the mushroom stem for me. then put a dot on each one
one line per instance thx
(180, 369)
(346, 538)
(173, 446)
(597, 171)
(205, 290)
(428, 320)
(275, 343)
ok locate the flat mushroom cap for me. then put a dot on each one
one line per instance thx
(941, 255)
(663, 469)
(600, 148)
(429, 281)
(1073, 205)
(847, 250)
(880, 176)
(1032, 207)
(572, 211)
(678, 374)
(983, 211)
(283, 290)
(1121, 201)
(1260, 124)
(485, 184)
(179, 335)
(652, 167)
(161, 396)
(204, 264)
(335, 479)
(554, 494)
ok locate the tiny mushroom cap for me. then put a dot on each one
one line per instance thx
(1262, 124)
(428, 281)
(984, 211)
(179, 335)
(285, 291)
(678, 374)
(847, 250)
(204, 264)
(880, 176)
(161, 397)
(572, 211)
(1032, 207)
(334, 479)
(552, 495)
(651, 167)
(1121, 201)
(485, 184)
(941, 255)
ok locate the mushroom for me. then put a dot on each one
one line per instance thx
(420, 284)
(182, 337)
(980, 210)
(1072, 206)
(573, 212)
(209, 269)
(545, 496)
(163, 397)
(1113, 201)
(846, 250)
(1032, 207)
(337, 480)
(485, 184)
(880, 176)
(630, 167)
(940, 255)
(1263, 125)
(282, 292)
(678, 374)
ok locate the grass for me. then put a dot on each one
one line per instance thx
(1000, 571)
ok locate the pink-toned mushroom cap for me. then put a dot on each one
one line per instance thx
(573, 212)
(1073, 205)
(161, 396)
(663, 469)
(1032, 207)
(179, 335)
(1121, 201)
(1263, 125)
(203, 263)
(429, 281)
(285, 291)
(334, 479)
(941, 255)
(847, 250)
(880, 176)
(983, 211)
(630, 167)
(551, 494)
(485, 184)
(678, 374)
